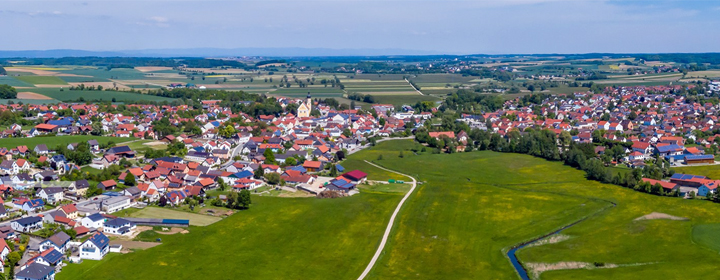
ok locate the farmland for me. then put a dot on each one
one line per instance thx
(42, 80)
(75, 95)
(302, 234)
(474, 206)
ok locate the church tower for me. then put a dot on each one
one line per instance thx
(305, 107)
(309, 102)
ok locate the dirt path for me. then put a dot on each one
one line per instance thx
(418, 91)
(390, 223)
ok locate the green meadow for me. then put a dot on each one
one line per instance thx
(472, 207)
(467, 211)
(277, 238)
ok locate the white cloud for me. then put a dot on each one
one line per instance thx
(159, 19)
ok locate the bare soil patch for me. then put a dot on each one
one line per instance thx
(51, 86)
(129, 245)
(152, 68)
(550, 240)
(155, 143)
(656, 215)
(173, 231)
(42, 72)
(219, 71)
(32, 95)
(536, 269)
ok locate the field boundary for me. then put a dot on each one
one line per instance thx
(389, 227)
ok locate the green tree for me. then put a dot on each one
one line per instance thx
(221, 184)
(129, 179)
(273, 178)
(269, 156)
(244, 199)
(7, 92)
(259, 173)
(333, 171)
(14, 258)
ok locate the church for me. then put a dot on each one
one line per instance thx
(305, 108)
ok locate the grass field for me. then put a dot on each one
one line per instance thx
(42, 80)
(403, 99)
(73, 95)
(7, 80)
(53, 142)
(712, 171)
(473, 206)
(163, 213)
(278, 238)
(707, 235)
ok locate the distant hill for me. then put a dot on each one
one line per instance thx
(213, 52)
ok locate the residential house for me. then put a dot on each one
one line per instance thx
(58, 241)
(96, 247)
(27, 224)
(36, 271)
(52, 195)
(93, 221)
(49, 257)
(118, 226)
(71, 212)
(79, 187)
(41, 149)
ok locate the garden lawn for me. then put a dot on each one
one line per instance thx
(277, 238)
(54, 141)
(163, 213)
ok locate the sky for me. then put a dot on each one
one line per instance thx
(434, 26)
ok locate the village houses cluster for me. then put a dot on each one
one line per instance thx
(303, 146)
(650, 122)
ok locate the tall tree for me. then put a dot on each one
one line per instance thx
(244, 199)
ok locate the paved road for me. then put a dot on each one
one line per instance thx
(390, 224)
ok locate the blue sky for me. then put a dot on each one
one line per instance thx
(454, 27)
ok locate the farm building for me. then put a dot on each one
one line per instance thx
(697, 159)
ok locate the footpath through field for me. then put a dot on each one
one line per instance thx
(390, 223)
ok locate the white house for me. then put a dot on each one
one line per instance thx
(4, 249)
(27, 224)
(93, 221)
(52, 195)
(118, 226)
(58, 242)
(95, 248)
